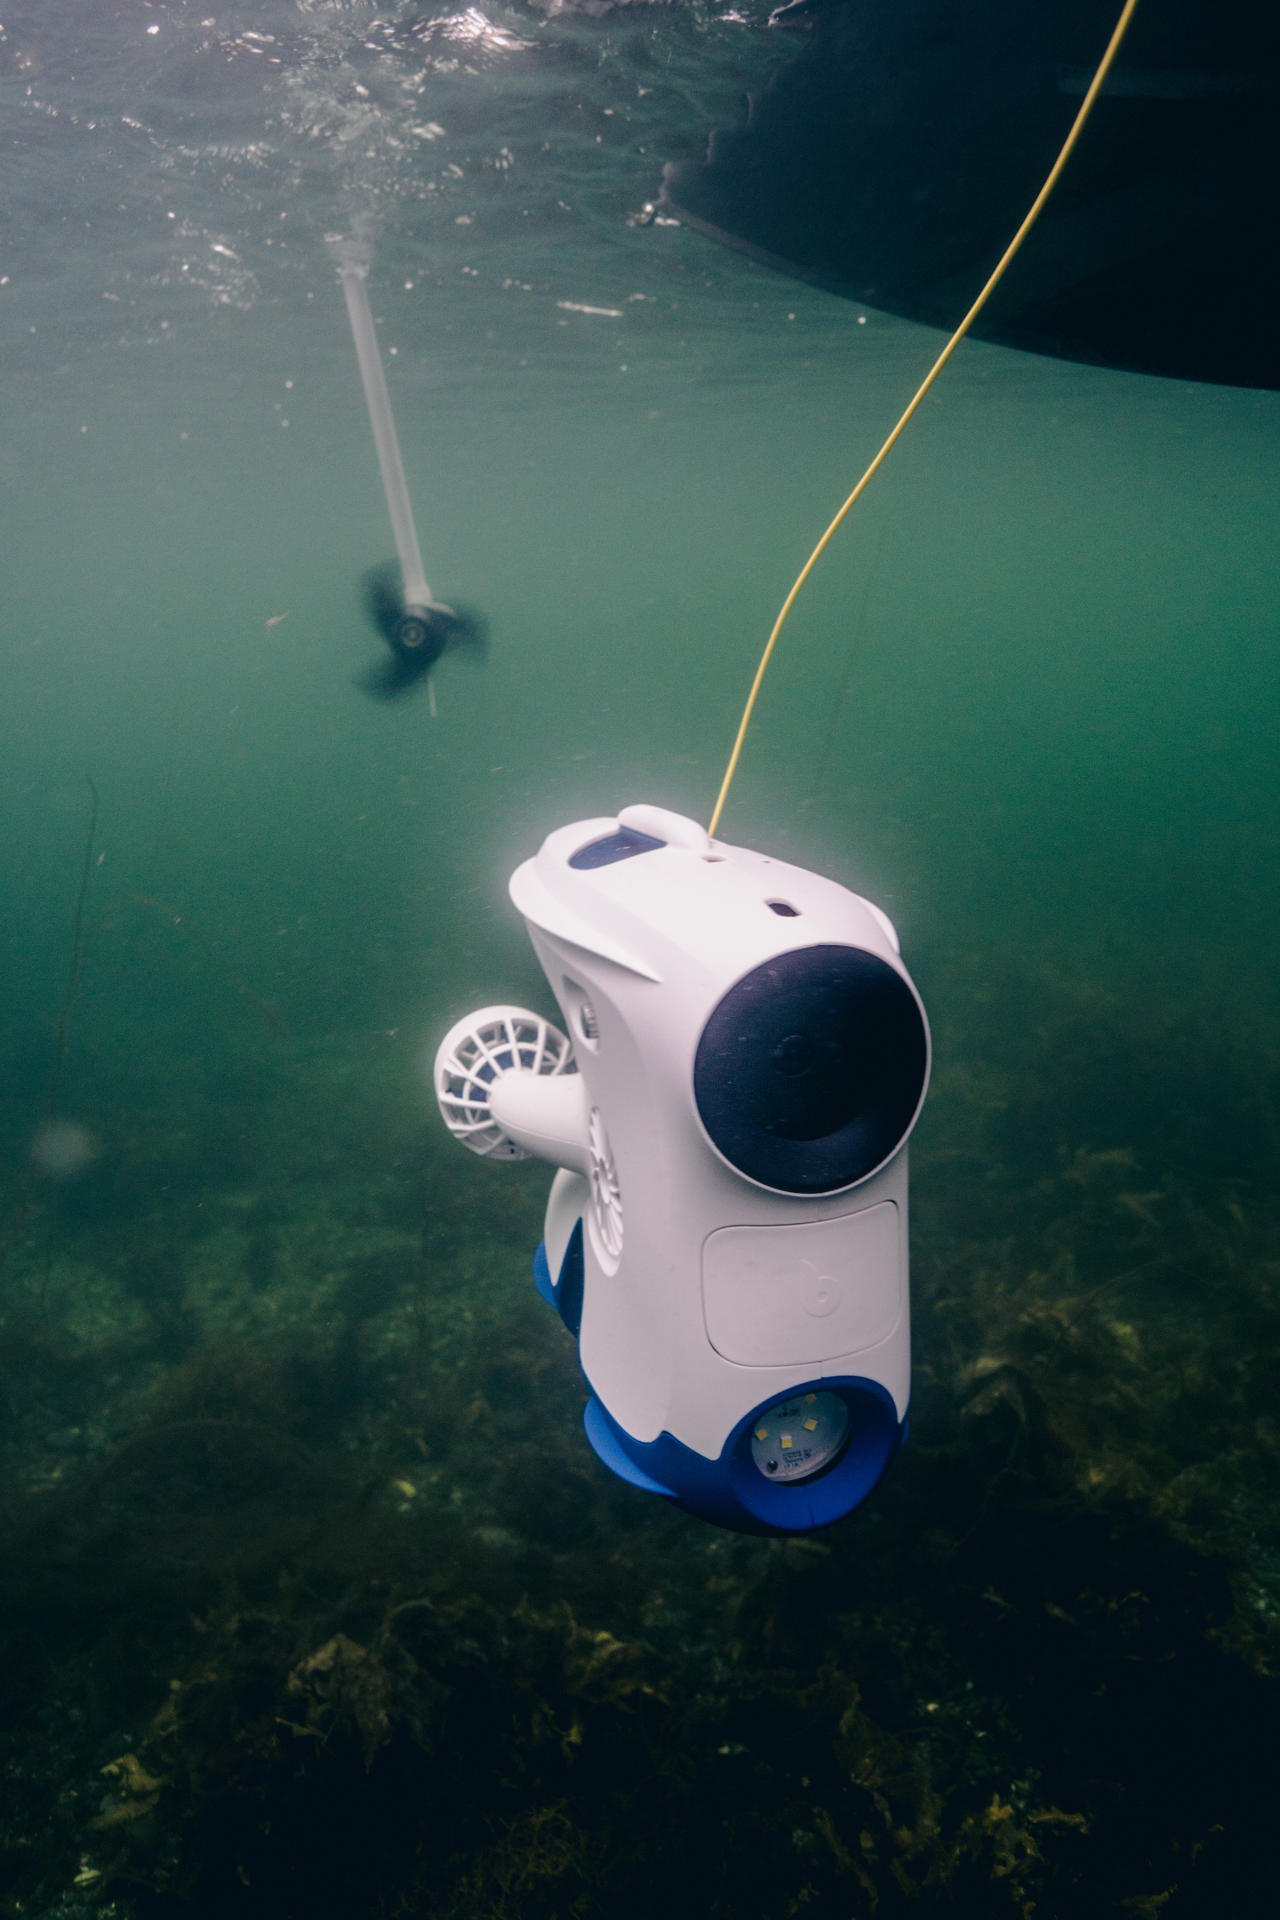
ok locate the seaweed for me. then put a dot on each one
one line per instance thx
(317, 1600)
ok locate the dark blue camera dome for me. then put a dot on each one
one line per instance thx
(811, 1069)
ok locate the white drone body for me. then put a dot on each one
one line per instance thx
(727, 1231)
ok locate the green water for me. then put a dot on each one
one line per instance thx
(271, 1365)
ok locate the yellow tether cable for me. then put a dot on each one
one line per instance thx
(1033, 214)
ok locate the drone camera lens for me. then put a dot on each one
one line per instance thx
(810, 1071)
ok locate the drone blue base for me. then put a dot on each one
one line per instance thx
(730, 1491)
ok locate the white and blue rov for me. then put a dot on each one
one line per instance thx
(726, 1236)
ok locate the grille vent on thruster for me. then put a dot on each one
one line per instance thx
(475, 1053)
(606, 1200)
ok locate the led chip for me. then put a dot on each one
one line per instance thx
(787, 1456)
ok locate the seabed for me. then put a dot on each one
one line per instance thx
(317, 1600)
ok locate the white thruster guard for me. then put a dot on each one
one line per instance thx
(475, 1053)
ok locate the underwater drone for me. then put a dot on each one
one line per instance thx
(744, 1058)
